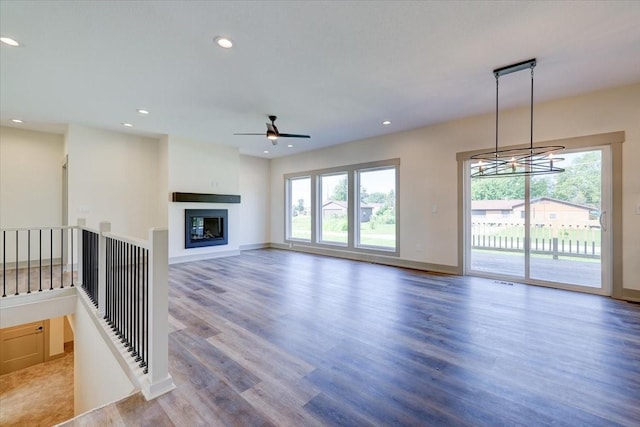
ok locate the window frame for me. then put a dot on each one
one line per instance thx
(353, 208)
(288, 211)
(357, 211)
(320, 214)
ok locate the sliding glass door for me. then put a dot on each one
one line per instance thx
(547, 229)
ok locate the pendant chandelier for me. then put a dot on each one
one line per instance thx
(529, 160)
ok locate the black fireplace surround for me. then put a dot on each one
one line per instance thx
(205, 227)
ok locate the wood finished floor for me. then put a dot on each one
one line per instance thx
(40, 395)
(288, 339)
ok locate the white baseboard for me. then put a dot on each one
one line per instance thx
(201, 257)
(255, 246)
(367, 257)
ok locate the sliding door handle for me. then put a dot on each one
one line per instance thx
(603, 225)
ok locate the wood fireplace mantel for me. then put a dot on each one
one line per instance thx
(205, 198)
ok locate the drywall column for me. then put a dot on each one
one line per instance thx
(56, 336)
(158, 380)
(104, 227)
(81, 224)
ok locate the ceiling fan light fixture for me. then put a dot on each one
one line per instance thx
(529, 160)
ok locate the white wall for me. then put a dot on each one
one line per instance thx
(56, 335)
(113, 177)
(200, 167)
(255, 209)
(98, 377)
(30, 178)
(163, 182)
(428, 169)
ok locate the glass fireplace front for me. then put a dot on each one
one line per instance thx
(205, 227)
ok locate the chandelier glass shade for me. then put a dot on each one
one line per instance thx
(529, 160)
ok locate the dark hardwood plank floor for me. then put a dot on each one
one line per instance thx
(289, 339)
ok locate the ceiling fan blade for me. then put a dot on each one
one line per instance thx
(292, 135)
(262, 134)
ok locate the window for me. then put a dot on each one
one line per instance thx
(377, 208)
(334, 220)
(352, 207)
(299, 209)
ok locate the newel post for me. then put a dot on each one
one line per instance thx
(81, 224)
(104, 227)
(158, 380)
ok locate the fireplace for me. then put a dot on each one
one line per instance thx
(205, 227)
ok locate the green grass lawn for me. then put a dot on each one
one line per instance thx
(335, 231)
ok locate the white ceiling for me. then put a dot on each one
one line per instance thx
(334, 70)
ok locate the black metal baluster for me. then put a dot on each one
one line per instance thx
(125, 318)
(61, 258)
(111, 297)
(85, 260)
(137, 347)
(113, 282)
(4, 263)
(71, 230)
(96, 262)
(40, 258)
(116, 289)
(145, 317)
(130, 294)
(130, 325)
(17, 293)
(120, 280)
(125, 300)
(134, 338)
(120, 296)
(96, 274)
(51, 260)
(28, 261)
(107, 279)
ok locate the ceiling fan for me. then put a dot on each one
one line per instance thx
(273, 133)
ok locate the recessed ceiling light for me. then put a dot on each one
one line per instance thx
(386, 122)
(9, 41)
(17, 121)
(224, 42)
(129, 125)
(266, 151)
(290, 145)
(141, 111)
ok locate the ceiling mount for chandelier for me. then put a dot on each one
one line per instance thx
(529, 160)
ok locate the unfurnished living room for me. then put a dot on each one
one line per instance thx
(319, 213)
